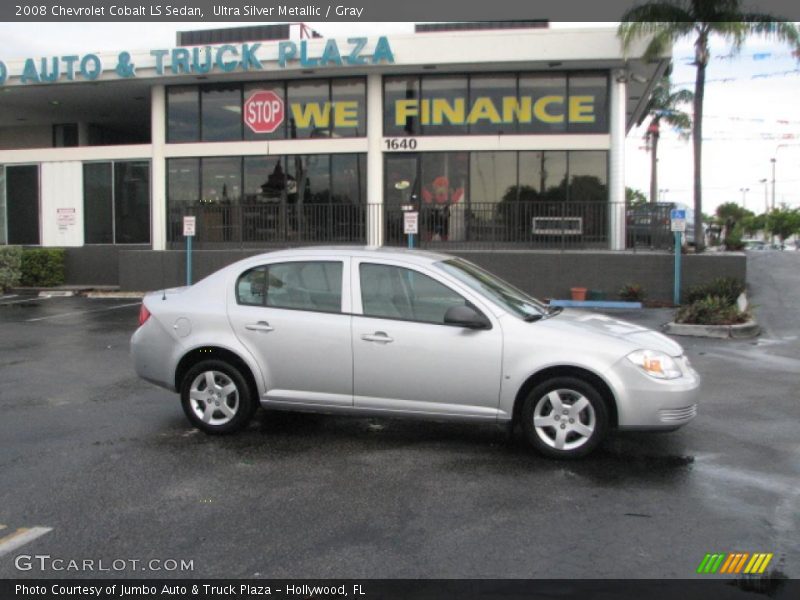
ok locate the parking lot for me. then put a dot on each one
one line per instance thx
(110, 465)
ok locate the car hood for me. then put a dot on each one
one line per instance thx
(598, 324)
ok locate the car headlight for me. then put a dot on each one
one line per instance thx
(656, 364)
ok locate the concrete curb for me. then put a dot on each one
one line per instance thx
(100, 294)
(746, 330)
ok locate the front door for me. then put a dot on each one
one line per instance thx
(406, 359)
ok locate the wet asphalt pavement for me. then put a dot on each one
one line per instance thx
(111, 465)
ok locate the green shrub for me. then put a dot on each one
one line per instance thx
(734, 239)
(632, 292)
(727, 288)
(42, 267)
(711, 310)
(10, 262)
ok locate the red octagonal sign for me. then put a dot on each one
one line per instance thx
(263, 111)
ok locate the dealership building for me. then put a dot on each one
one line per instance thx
(506, 139)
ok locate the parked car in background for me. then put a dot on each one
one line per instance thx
(385, 332)
(649, 225)
(755, 245)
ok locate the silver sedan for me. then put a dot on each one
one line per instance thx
(383, 332)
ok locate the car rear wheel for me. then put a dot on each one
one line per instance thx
(216, 398)
(564, 417)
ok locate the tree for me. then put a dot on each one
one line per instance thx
(634, 197)
(666, 21)
(731, 214)
(664, 105)
(783, 222)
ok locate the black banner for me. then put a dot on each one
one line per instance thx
(349, 10)
(436, 589)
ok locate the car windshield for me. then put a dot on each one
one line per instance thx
(502, 293)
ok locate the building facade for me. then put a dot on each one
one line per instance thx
(500, 140)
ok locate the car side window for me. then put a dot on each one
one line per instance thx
(312, 285)
(399, 293)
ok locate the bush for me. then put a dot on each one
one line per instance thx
(632, 292)
(10, 262)
(711, 310)
(42, 267)
(727, 288)
(734, 239)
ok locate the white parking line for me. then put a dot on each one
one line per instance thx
(21, 537)
(82, 312)
(21, 300)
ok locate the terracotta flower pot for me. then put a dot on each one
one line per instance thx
(578, 293)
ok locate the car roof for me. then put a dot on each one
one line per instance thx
(421, 257)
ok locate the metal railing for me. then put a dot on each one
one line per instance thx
(270, 224)
(493, 225)
(490, 225)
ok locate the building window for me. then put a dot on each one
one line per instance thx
(22, 204)
(319, 108)
(527, 197)
(221, 112)
(116, 202)
(65, 135)
(183, 114)
(526, 103)
(302, 197)
(3, 233)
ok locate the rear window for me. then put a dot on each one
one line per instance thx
(312, 285)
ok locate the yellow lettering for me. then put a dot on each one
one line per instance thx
(311, 112)
(516, 109)
(483, 108)
(426, 112)
(345, 114)
(540, 109)
(405, 109)
(581, 109)
(442, 109)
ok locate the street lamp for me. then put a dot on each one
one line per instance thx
(773, 161)
(744, 196)
(661, 194)
(766, 199)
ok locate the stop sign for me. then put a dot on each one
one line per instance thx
(263, 111)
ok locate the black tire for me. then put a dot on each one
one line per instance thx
(217, 411)
(577, 433)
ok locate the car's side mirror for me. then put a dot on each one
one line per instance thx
(465, 316)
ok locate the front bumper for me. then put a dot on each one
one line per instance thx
(644, 402)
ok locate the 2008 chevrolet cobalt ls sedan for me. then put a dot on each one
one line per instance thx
(405, 333)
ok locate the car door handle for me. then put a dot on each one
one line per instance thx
(378, 336)
(260, 326)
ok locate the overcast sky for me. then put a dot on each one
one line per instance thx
(751, 105)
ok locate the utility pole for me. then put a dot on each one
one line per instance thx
(744, 197)
(773, 161)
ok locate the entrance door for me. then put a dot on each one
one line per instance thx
(22, 204)
(401, 183)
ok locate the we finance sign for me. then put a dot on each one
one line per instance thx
(200, 60)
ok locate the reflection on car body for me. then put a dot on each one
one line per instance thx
(405, 333)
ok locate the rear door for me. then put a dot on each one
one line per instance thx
(406, 359)
(293, 317)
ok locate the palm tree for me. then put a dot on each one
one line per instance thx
(666, 21)
(664, 105)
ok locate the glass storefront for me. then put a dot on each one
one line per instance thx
(507, 197)
(281, 199)
(477, 104)
(116, 202)
(313, 108)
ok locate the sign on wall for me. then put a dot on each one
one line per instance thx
(65, 218)
(263, 111)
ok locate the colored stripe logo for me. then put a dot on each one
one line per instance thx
(735, 562)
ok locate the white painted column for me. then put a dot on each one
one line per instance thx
(158, 167)
(616, 171)
(374, 160)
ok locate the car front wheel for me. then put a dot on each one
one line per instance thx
(216, 397)
(564, 417)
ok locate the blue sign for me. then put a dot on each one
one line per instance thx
(225, 58)
(677, 214)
